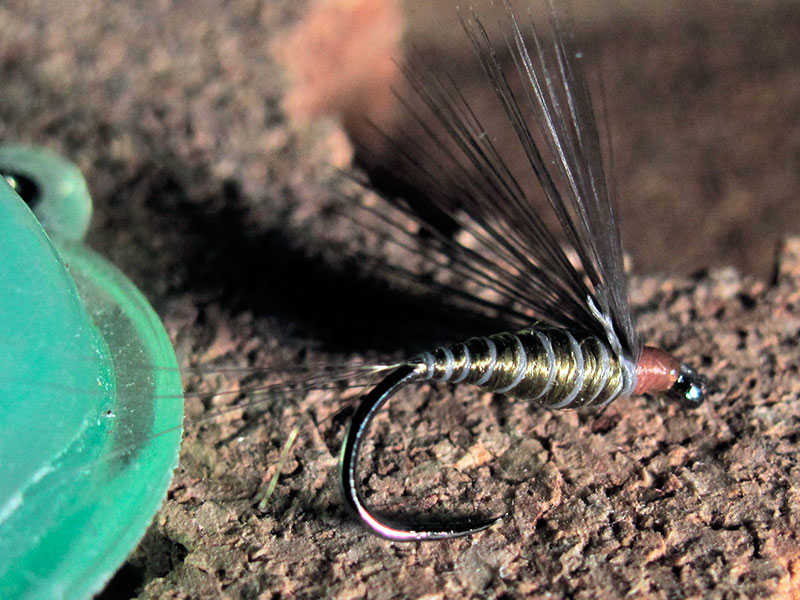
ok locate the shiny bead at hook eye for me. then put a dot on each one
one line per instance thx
(689, 388)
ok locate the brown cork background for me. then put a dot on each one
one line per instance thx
(218, 207)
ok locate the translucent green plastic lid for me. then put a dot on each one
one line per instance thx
(89, 422)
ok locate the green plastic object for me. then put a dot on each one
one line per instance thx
(61, 199)
(90, 417)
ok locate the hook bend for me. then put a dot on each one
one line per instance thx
(395, 529)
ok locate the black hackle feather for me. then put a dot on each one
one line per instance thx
(511, 249)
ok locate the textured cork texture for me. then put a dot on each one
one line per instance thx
(214, 199)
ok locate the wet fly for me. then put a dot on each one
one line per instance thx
(571, 338)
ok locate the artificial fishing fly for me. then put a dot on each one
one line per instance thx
(582, 349)
(569, 338)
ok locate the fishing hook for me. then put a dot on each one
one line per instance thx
(392, 528)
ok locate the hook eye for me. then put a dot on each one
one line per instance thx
(690, 388)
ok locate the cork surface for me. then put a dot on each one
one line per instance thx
(220, 210)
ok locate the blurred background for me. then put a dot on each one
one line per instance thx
(210, 102)
(701, 101)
